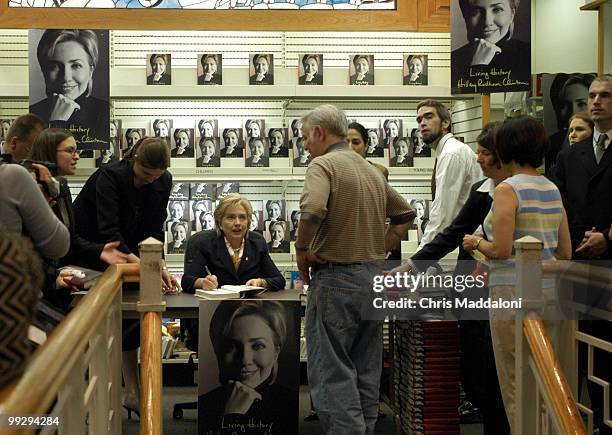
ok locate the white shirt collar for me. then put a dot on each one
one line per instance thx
(487, 187)
(440, 146)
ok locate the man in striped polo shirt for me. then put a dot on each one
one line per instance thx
(341, 242)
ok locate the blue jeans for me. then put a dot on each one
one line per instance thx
(344, 350)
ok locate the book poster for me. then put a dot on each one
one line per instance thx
(223, 189)
(202, 214)
(415, 69)
(250, 349)
(564, 95)
(310, 69)
(210, 69)
(257, 153)
(276, 233)
(182, 143)
(180, 191)
(279, 142)
(5, 124)
(131, 137)
(361, 69)
(421, 208)
(69, 83)
(491, 46)
(401, 153)
(419, 146)
(232, 145)
(261, 69)
(208, 153)
(177, 234)
(159, 69)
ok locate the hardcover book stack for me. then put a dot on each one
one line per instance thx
(427, 377)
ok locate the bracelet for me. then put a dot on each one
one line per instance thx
(478, 243)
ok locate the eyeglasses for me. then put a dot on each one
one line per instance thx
(72, 151)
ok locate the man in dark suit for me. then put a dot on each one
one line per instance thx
(584, 176)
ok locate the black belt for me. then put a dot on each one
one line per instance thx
(331, 265)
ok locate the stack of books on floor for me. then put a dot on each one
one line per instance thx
(427, 376)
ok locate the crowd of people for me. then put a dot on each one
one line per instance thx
(497, 189)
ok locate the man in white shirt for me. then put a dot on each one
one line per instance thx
(455, 170)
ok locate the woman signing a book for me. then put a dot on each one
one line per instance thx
(230, 254)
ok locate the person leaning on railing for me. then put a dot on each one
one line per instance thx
(127, 201)
(524, 204)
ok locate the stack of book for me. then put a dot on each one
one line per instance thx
(168, 345)
(427, 377)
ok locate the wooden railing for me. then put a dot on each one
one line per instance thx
(547, 382)
(76, 373)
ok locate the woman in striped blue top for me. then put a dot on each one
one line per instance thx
(525, 204)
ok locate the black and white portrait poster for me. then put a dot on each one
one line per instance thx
(296, 128)
(276, 233)
(208, 127)
(177, 234)
(294, 219)
(257, 152)
(130, 137)
(301, 156)
(419, 146)
(392, 128)
(279, 141)
(115, 131)
(375, 143)
(208, 153)
(256, 217)
(178, 211)
(310, 69)
(232, 145)
(415, 69)
(261, 69)
(254, 128)
(69, 83)
(401, 153)
(182, 143)
(162, 128)
(180, 191)
(564, 95)
(5, 124)
(421, 209)
(210, 69)
(109, 155)
(202, 214)
(250, 349)
(202, 191)
(275, 210)
(491, 46)
(361, 69)
(159, 69)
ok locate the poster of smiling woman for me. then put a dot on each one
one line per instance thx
(69, 83)
(491, 46)
(249, 367)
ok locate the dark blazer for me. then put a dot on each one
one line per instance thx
(165, 79)
(207, 249)
(283, 152)
(471, 215)
(267, 80)
(214, 162)
(82, 252)
(236, 153)
(586, 189)
(216, 79)
(378, 152)
(316, 80)
(110, 208)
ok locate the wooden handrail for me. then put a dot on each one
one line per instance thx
(554, 381)
(579, 272)
(150, 342)
(50, 365)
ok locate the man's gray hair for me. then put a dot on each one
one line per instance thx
(327, 116)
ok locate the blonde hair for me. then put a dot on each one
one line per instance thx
(228, 201)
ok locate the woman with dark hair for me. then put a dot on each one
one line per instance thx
(581, 127)
(159, 63)
(417, 70)
(127, 201)
(264, 70)
(362, 75)
(357, 138)
(183, 144)
(211, 74)
(247, 337)
(278, 147)
(68, 60)
(311, 75)
(232, 138)
(58, 146)
(524, 204)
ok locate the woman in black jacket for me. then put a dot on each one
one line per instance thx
(126, 201)
(58, 146)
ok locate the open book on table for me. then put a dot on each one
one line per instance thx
(230, 292)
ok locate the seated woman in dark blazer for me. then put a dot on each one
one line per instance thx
(231, 254)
